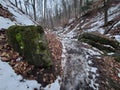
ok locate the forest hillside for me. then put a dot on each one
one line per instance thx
(59, 45)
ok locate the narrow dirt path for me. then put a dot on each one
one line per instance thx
(77, 73)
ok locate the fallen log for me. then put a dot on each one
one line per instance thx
(101, 42)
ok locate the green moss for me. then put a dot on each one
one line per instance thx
(19, 40)
(99, 46)
(99, 39)
(30, 42)
(99, 42)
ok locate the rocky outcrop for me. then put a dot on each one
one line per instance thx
(31, 43)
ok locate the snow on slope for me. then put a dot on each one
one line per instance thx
(97, 21)
(5, 22)
(20, 18)
(69, 41)
(9, 80)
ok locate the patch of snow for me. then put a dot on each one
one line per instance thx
(108, 46)
(98, 57)
(63, 55)
(54, 86)
(93, 69)
(117, 37)
(113, 10)
(96, 26)
(5, 23)
(89, 62)
(109, 35)
(110, 53)
(91, 52)
(119, 75)
(101, 30)
(84, 43)
(97, 50)
(19, 58)
(9, 80)
(94, 85)
(71, 20)
(119, 72)
(117, 24)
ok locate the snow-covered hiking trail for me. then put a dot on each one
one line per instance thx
(77, 72)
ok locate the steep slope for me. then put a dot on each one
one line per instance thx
(84, 67)
(9, 80)
(79, 57)
(10, 15)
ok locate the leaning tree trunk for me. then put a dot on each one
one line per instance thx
(80, 13)
(101, 42)
(106, 6)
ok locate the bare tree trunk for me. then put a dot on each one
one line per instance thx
(51, 20)
(69, 7)
(64, 8)
(34, 9)
(26, 9)
(106, 6)
(44, 11)
(16, 3)
(80, 13)
(75, 7)
(20, 5)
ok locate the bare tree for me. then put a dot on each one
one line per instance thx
(20, 5)
(106, 6)
(64, 7)
(26, 2)
(34, 8)
(51, 20)
(80, 13)
(16, 3)
(44, 11)
(75, 7)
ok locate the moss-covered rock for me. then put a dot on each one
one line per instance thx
(30, 42)
(102, 43)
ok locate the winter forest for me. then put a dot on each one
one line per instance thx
(59, 44)
(51, 13)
